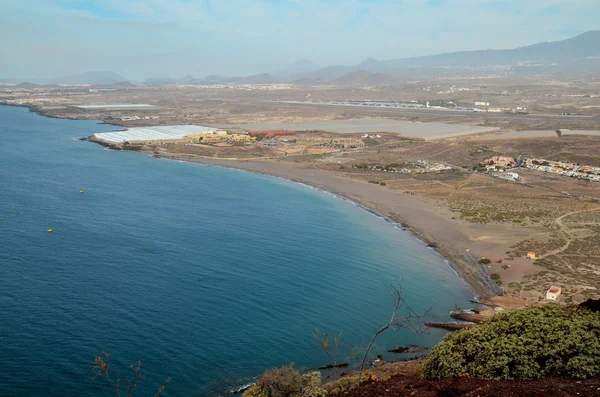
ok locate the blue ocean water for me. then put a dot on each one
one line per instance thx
(205, 274)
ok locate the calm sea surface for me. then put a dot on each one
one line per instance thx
(207, 275)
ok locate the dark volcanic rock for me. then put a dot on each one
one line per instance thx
(329, 366)
(591, 304)
(450, 326)
(408, 349)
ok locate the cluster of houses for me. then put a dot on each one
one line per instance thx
(499, 163)
(503, 164)
(134, 118)
(220, 136)
(573, 170)
(416, 167)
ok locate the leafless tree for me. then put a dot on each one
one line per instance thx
(403, 316)
(121, 382)
(330, 351)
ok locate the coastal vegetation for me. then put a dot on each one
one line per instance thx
(287, 381)
(122, 383)
(526, 344)
(548, 342)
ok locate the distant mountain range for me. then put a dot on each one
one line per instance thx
(579, 55)
(576, 56)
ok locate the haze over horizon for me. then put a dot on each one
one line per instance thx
(159, 38)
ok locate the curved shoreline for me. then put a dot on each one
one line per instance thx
(398, 225)
(459, 266)
(455, 261)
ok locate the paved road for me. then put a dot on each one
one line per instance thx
(451, 116)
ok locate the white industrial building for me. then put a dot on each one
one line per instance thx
(155, 133)
(118, 106)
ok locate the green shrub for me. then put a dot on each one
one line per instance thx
(311, 385)
(254, 391)
(485, 261)
(280, 382)
(345, 384)
(526, 344)
(287, 382)
(495, 276)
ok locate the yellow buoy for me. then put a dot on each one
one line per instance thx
(81, 191)
(49, 230)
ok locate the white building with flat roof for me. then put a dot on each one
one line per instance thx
(154, 133)
(553, 293)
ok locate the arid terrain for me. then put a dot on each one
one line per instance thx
(436, 187)
(403, 379)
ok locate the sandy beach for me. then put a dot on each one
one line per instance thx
(430, 221)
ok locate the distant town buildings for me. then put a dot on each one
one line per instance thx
(414, 167)
(220, 136)
(499, 163)
(348, 143)
(573, 170)
(270, 142)
(244, 87)
(502, 164)
(134, 118)
(426, 105)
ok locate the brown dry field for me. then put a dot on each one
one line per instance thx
(555, 216)
(560, 216)
(545, 101)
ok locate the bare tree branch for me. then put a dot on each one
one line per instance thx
(330, 351)
(122, 383)
(409, 318)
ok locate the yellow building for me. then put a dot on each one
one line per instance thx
(531, 255)
(208, 137)
(214, 138)
(241, 138)
(217, 137)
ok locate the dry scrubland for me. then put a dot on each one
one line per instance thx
(561, 216)
(209, 105)
(554, 216)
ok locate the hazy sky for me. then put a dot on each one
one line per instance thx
(139, 39)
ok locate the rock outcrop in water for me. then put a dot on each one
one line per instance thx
(408, 349)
